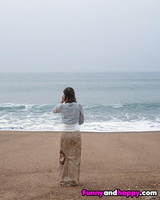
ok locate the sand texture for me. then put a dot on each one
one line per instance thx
(29, 165)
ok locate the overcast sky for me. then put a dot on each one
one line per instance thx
(79, 35)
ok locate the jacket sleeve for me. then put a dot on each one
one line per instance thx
(57, 108)
(81, 115)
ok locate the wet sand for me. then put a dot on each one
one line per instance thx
(29, 164)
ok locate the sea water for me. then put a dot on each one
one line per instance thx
(117, 101)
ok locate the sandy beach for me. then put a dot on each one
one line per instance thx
(29, 165)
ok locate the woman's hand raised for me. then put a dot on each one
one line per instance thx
(63, 99)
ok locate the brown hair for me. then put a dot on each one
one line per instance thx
(69, 95)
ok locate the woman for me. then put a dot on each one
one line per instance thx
(70, 141)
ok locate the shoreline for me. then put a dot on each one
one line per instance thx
(90, 132)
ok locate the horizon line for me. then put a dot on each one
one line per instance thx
(81, 72)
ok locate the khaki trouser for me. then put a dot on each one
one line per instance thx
(70, 157)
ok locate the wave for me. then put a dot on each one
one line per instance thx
(98, 117)
(109, 126)
(89, 106)
(24, 107)
(124, 105)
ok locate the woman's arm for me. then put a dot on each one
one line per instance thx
(81, 115)
(57, 108)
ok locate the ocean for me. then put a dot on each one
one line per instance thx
(117, 101)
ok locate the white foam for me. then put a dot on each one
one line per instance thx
(120, 126)
(109, 126)
(40, 117)
(117, 105)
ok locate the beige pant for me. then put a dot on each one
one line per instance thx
(70, 157)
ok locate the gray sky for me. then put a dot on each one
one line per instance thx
(79, 35)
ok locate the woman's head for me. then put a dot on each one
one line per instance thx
(69, 95)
